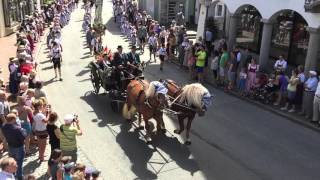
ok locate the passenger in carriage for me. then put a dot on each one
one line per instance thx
(133, 62)
(119, 59)
(118, 63)
(132, 57)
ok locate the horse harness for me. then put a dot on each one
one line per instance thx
(140, 94)
(178, 94)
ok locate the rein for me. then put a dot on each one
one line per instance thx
(182, 105)
(175, 99)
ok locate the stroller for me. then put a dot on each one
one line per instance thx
(256, 90)
(266, 92)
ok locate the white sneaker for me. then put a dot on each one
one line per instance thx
(284, 108)
(292, 110)
(276, 104)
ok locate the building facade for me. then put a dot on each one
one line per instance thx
(164, 11)
(12, 12)
(290, 28)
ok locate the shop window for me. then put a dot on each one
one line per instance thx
(219, 10)
(11, 12)
(290, 38)
(249, 29)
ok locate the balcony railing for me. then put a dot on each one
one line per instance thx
(312, 6)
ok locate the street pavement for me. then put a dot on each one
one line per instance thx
(234, 141)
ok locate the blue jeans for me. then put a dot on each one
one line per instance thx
(18, 155)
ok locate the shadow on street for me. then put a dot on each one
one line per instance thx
(134, 145)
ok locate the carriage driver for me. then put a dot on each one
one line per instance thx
(132, 57)
(118, 62)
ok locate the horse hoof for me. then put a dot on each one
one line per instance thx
(187, 143)
(176, 131)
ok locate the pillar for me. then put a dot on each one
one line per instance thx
(38, 5)
(2, 23)
(313, 49)
(233, 25)
(202, 20)
(265, 44)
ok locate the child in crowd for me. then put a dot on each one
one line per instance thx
(162, 55)
(214, 64)
(242, 81)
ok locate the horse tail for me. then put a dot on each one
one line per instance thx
(125, 111)
(128, 112)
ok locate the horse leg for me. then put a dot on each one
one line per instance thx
(181, 125)
(163, 128)
(188, 141)
(160, 124)
(148, 133)
(139, 121)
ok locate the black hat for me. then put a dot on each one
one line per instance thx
(95, 173)
(134, 47)
(119, 47)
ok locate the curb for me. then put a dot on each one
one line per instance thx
(298, 120)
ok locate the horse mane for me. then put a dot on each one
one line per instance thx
(192, 93)
(150, 92)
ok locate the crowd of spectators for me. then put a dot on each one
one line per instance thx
(235, 70)
(28, 125)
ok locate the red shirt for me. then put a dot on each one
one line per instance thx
(26, 68)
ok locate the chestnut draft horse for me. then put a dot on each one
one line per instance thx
(186, 102)
(138, 91)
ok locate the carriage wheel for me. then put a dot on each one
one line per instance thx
(95, 81)
(114, 106)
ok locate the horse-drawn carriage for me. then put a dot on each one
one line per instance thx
(113, 81)
(135, 95)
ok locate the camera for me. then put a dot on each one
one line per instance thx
(75, 118)
(48, 108)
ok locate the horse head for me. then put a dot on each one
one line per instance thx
(197, 97)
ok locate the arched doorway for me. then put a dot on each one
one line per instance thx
(216, 19)
(290, 37)
(249, 28)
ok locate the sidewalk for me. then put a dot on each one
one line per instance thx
(294, 117)
(31, 164)
(8, 49)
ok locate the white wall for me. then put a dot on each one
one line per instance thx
(150, 7)
(268, 8)
(197, 13)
